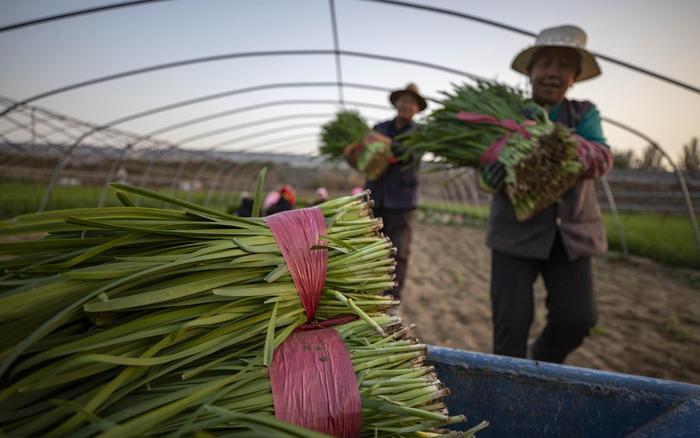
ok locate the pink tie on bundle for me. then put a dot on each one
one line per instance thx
(314, 385)
(494, 151)
(296, 231)
(311, 375)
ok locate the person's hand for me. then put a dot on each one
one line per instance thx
(374, 136)
(352, 154)
(585, 152)
(493, 174)
(596, 159)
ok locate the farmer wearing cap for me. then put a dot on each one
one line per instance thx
(558, 242)
(394, 192)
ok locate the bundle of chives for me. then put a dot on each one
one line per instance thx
(220, 394)
(126, 319)
(347, 137)
(538, 156)
(111, 293)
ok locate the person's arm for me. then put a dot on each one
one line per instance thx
(405, 156)
(591, 148)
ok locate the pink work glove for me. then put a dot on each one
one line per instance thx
(596, 158)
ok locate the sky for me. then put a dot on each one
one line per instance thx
(660, 36)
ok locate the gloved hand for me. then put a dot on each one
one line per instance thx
(493, 175)
(595, 158)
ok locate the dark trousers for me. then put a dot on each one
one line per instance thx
(570, 303)
(397, 227)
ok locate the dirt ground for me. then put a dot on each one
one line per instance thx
(649, 315)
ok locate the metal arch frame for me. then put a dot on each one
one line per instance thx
(520, 31)
(296, 139)
(145, 177)
(611, 202)
(149, 136)
(95, 129)
(282, 102)
(258, 134)
(336, 49)
(258, 146)
(381, 88)
(72, 14)
(264, 133)
(236, 55)
(337, 53)
(236, 172)
(217, 146)
(223, 143)
(424, 8)
(229, 93)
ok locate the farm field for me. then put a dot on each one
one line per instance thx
(665, 238)
(648, 322)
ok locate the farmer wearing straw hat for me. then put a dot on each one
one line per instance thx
(394, 192)
(560, 241)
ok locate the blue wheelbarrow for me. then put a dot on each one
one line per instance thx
(525, 398)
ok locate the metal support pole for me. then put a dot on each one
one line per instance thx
(242, 179)
(33, 128)
(147, 174)
(225, 186)
(474, 192)
(679, 175)
(178, 174)
(464, 194)
(689, 206)
(110, 174)
(615, 215)
(215, 183)
(55, 173)
(196, 178)
(336, 48)
(686, 196)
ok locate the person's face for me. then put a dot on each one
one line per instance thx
(553, 71)
(407, 107)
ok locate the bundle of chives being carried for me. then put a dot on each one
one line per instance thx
(116, 300)
(348, 136)
(489, 121)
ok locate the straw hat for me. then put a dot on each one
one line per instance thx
(572, 37)
(412, 90)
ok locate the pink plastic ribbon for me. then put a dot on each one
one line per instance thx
(492, 153)
(311, 374)
(314, 385)
(296, 231)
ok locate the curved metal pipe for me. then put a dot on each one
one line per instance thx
(274, 103)
(72, 14)
(271, 131)
(337, 52)
(66, 156)
(520, 31)
(216, 181)
(679, 175)
(229, 56)
(616, 216)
